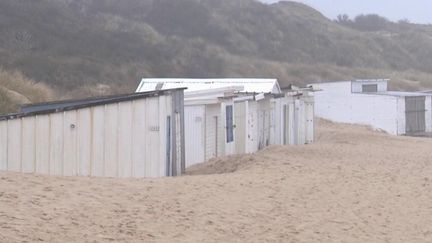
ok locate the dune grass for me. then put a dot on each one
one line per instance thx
(16, 89)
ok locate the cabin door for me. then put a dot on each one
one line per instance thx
(415, 114)
(309, 112)
(195, 134)
(286, 124)
(212, 130)
(240, 127)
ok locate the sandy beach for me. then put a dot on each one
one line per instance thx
(352, 185)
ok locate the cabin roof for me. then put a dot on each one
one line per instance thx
(66, 105)
(250, 85)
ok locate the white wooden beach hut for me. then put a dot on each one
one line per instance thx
(209, 124)
(369, 102)
(257, 123)
(295, 111)
(259, 120)
(135, 135)
(205, 97)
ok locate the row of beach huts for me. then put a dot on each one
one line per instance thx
(171, 124)
(163, 128)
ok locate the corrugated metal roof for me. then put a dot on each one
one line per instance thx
(250, 85)
(60, 106)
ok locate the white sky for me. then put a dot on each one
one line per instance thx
(416, 11)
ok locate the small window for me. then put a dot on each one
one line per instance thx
(229, 124)
(370, 88)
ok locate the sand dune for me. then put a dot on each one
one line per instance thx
(353, 185)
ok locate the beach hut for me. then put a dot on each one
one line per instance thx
(295, 112)
(257, 123)
(250, 115)
(133, 135)
(369, 102)
(231, 98)
(209, 124)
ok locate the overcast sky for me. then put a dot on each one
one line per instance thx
(416, 11)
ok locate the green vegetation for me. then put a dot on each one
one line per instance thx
(16, 89)
(93, 47)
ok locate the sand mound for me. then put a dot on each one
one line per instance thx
(228, 164)
(352, 185)
(239, 163)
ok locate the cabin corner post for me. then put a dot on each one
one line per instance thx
(178, 138)
(182, 133)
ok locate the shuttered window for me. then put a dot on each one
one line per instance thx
(229, 124)
(370, 88)
(415, 109)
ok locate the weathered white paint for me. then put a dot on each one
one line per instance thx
(70, 160)
(84, 140)
(14, 145)
(309, 117)
(264, 124)
(111, 140)
(206, 92)
(56, 143)
(336, 102)
(300, 122)
(206, 131)
(226, 148)
(177, 137)
(285, 120)
(259, 116)
(258, 124)
(384, 110)
(43, 144)
(288, 124)
(277, 114)
(241, 126)
(294, 119)
(400, 116)
(140, 134)
(428, 113)
(195, 127)
(161, 162)
(252, 131)
(3, 149)
(213, 129)
(125, 139)
(281, 121)
(118, 139)
(98, 141)
(152, 138)
(28, 144)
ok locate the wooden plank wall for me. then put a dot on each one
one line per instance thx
(125, 139)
